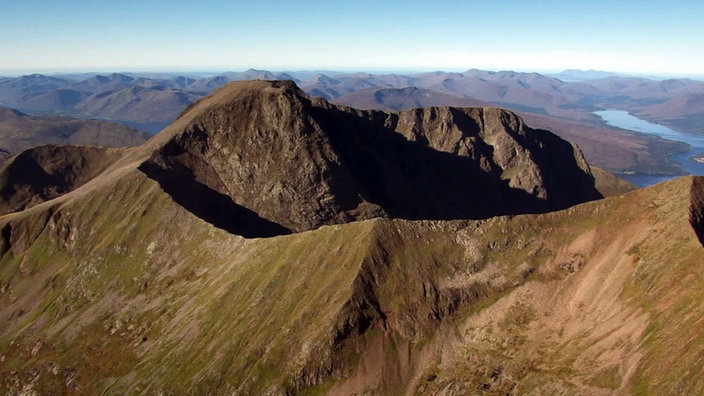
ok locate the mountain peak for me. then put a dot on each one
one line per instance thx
(243, 88)
(298, 163)
(248, 90)
(120, 77)
(260, 158)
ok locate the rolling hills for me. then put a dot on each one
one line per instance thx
(20, 131)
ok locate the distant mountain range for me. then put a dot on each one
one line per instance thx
(572, 75)
(563, 105)
(20, 131)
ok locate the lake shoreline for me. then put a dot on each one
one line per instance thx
(691, 160)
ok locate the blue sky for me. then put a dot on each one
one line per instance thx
(644, 36)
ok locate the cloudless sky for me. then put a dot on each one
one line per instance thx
(645, 36)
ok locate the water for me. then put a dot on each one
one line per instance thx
(622, 119)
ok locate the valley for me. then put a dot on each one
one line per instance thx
(687, 159)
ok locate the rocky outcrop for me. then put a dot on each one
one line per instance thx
(301, 163)
(610, 185)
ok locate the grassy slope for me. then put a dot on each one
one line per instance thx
(145, 297)
(149, 290)
(614, 306)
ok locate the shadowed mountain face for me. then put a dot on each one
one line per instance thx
(303, 163)
(216, 208)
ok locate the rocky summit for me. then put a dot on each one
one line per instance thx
(271, 243)
(298, 163)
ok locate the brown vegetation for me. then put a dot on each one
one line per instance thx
(118, 287)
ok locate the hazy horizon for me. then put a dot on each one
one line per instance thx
(644, 37)
(196, 73)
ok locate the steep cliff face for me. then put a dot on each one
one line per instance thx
(302, 163)
(535, 161)
(259, 147)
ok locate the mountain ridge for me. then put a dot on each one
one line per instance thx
(351, 158)
(118, 286)
(394, 290)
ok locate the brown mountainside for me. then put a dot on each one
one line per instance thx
(121, 290)
(303, 163)
(144, 279)
(681, 113)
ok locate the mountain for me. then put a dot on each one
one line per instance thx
(672, 102)
(330, 88)
(681, 113)
(639, 88)
(572, 99)
(52, 102)
(136, 103)
(613, 149)
(119, 286)
(46, 172)
(328, 164)
(148, 103)
(254, 74)
(608, 184)
(396, 99)
(151, 101)
(204, 86)
(528, 92)
(13, 90)
(100, 83)
(626, 151)
(19, 131)
(571, 75)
